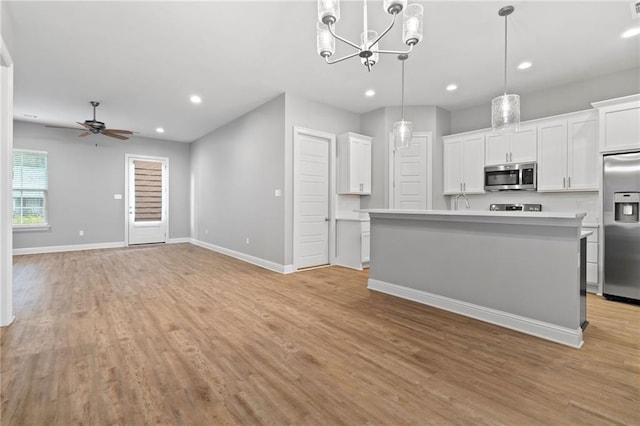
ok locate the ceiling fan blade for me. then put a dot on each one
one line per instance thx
(83, 134)
(114, 135)
(64, 127)
(85, 125)
(127, 132)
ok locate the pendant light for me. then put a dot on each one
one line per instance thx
(402, 129)
(505, 109)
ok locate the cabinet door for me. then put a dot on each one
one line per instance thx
(354, 165)
(365, 166)
(582, 154)
(452, 166)
(473, 165)
(497, 149)
(523, 145)
(552, 156)
(621, 129)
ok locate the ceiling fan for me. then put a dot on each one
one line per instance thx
(97, 127)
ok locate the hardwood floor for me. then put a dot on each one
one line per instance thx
(181, 335)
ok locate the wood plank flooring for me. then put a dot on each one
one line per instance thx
(179, 335)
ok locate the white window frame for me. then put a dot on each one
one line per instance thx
(37, 226)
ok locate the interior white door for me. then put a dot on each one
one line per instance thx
(311, 177)
(410, 175)
(147, 209)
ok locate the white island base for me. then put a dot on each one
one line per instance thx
(515, 269)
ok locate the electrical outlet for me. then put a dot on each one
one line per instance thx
(81, 233)
(247, 240)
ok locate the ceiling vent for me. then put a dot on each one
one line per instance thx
(635, 10)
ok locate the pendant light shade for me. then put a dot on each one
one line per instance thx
(505, 109)
(505, 112)
(402, 130)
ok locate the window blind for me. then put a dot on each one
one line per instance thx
(30, 186)
(148, 197)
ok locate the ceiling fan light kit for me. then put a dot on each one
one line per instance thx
(505, 109)
(368, 49)
(97, 127)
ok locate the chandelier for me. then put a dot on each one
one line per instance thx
(505, 109)
(367, 49)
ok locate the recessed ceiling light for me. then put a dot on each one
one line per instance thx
(160, 130)
(452, 87)
(630, 32)
(195, 99)
(524, 65)
(370, 92)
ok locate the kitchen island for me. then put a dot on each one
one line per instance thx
(520, 270)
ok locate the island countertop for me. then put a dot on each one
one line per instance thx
(513, 217)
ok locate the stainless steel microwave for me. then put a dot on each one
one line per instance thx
(505, 177)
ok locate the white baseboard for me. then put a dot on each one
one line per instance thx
(267, 264)
(76, 247)
(545, 330)
(179, 240)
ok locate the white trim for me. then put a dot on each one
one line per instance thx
(331, 139)
(71, 247)
(428, 164)
(6, 170)
(544, 330)
(263, 263)
(31, 228)
(179, 240)
(165, 188)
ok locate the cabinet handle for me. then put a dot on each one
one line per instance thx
(361, 187)
(464, 186)
(568, 181)
(506, 157)
(460, 186)
(511, 156)
(564, 182)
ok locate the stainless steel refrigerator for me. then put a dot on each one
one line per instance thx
(621, 198)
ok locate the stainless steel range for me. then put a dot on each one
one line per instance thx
(515, 207)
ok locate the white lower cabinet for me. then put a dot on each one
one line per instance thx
(592, 260)
(352, 243)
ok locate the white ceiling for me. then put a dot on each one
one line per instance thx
(143, 60)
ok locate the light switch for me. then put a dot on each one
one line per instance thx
(117, 196)
(278, 192)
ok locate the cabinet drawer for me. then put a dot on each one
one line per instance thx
(592, 252)
(592, 272)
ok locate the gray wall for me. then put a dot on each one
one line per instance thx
(83, 178)
(235, 171)
(571, 97)
(312, 115)
(378, 124)
(6, 26)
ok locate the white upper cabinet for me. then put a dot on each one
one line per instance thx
(619, 124)
(464, 165)
(568, 154)
(518, 147)
(354, 164)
